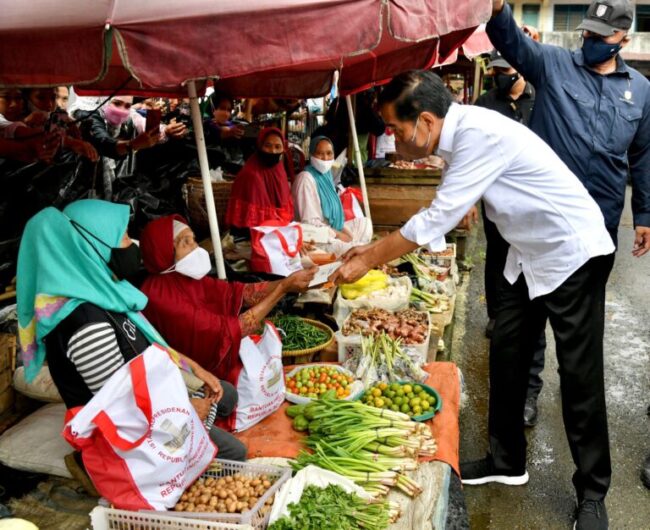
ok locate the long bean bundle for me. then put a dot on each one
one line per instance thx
(298, 334)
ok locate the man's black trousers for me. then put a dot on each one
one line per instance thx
(576, 311)
(496, 252)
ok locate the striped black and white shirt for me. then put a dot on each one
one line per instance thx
(87, 347)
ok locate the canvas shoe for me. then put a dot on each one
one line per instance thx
(483, 472)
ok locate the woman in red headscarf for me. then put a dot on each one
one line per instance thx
(261, 191)
(197, 314)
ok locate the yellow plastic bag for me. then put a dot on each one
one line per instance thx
(373, 281)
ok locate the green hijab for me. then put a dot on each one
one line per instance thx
(58, 270)
(329, 200)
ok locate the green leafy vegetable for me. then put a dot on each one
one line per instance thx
(332, 508)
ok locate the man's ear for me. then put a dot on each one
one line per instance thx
(626, 40)
(428, 117)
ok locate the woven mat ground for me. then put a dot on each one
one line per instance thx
(55, 504)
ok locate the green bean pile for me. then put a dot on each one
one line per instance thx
(298, 334)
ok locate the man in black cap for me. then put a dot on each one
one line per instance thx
(513, 97)
(594, 111)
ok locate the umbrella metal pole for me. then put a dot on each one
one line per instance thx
(357, 157)
(207, 181)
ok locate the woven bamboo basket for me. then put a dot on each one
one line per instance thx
(315, 349)
(196, 202)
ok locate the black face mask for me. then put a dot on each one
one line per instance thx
(269, 159)
(125, 262)
(505, 82)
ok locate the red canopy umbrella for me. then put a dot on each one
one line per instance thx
(262, 47)
(287, 48)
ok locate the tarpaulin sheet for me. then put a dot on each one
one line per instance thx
(274, 436)
(274, 48)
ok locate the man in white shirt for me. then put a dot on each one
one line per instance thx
(559, 259)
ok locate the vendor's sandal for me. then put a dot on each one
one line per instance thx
(76, 467)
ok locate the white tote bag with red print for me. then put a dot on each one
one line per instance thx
(275, 248)
(350, 198)
(141, 441)
(260, 386)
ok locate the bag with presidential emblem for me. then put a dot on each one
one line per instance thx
(260, 386)
(275, 248)
(141, 441)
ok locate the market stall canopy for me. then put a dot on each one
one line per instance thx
(256, 47)
(476, 44)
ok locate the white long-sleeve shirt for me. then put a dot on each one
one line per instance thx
(540, 207)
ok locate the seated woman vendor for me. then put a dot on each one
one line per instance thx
(198, 314)
(317, 202)
(261, 190)
(77, 311)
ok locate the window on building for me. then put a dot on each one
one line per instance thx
(643, 18)
(530, 15)
(566, 17)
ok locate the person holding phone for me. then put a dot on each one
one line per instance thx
(222, 134)
(117, 133)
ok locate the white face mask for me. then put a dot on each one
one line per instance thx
(195, 265)
(322, 166)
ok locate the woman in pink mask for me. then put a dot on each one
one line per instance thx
(117, 132)
(114, 131)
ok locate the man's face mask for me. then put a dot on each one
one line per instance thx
(505, 82)
(409, 149)
(596, 51)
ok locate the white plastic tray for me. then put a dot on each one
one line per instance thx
(349, 345)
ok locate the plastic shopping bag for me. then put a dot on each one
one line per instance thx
(261, 382)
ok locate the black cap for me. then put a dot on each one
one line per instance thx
(606, 17)
(497, 61)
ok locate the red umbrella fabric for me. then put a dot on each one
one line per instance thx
(256, 47)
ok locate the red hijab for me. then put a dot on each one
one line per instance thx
(197, 317)
(261, 193)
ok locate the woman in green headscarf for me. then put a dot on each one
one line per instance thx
(317, 202)
(77, 310)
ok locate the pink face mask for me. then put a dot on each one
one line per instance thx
(115, 116)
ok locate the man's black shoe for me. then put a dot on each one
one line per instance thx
(530, 412)
(645, 473)
(483, 471)
(489, 328)
(592, 515)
